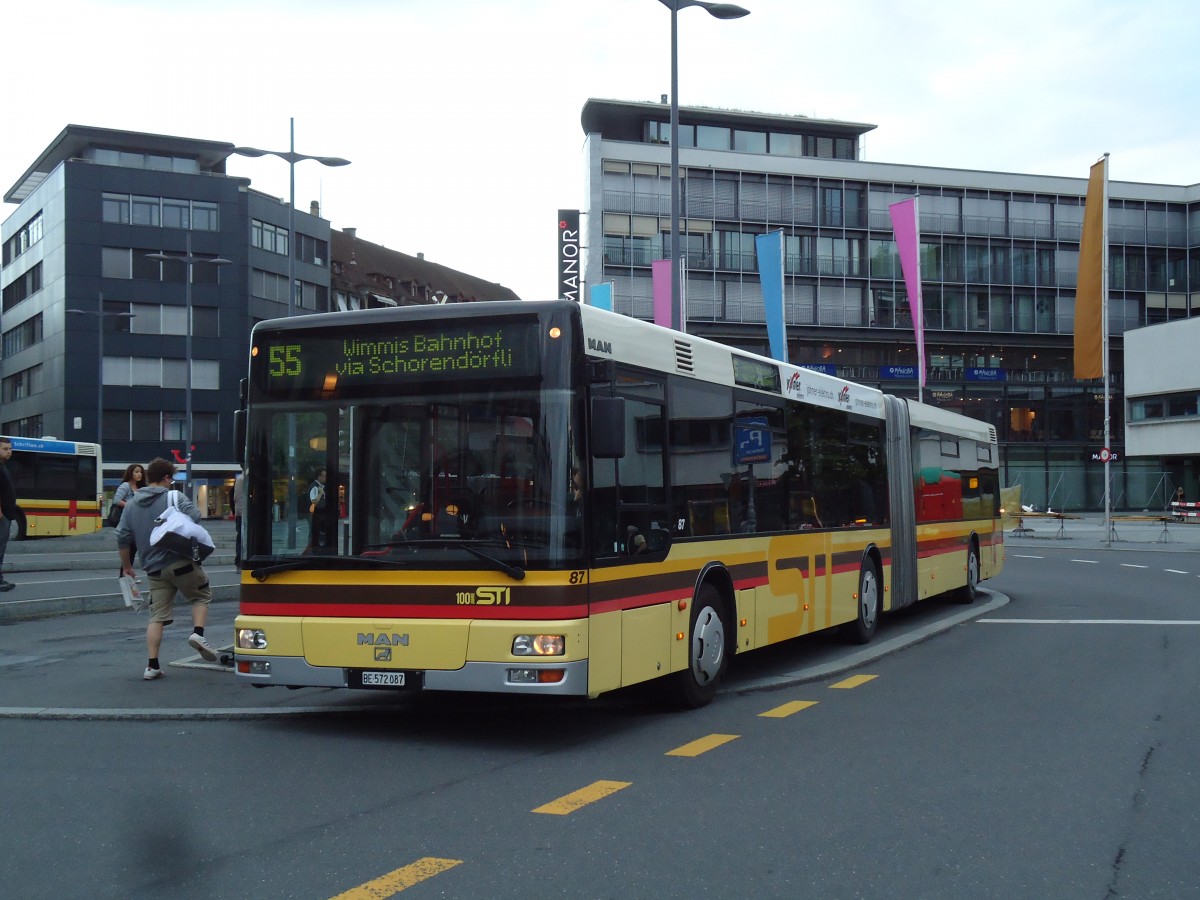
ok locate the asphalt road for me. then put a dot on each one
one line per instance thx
(1044, 749)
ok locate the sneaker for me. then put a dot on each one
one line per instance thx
(201, 646)
(6, 585)
(150, 674)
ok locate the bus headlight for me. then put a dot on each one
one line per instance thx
(539, 645)
(251, 639)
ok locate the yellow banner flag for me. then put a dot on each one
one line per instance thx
(1089, 294)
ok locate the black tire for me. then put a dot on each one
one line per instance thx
(862, 629)
(968, 592)
(18, 528)
(696, 685)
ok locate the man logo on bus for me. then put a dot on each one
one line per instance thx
(382, 640)
(600, 346)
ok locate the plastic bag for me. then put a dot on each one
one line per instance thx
(175, 531)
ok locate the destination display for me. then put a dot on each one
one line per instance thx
(422, 353)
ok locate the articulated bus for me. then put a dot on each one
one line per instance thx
(546, 498)
(58, 486)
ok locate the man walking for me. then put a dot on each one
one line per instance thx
(8, 506)
(168, 572)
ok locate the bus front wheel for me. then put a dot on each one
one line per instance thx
(18, 528)
(967, 593)
(862, 629)
(696, 685)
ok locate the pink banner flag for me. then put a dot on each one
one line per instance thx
(906, 225)
(660, 278)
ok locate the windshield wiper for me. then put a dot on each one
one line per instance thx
(515, 572)
(262, 573)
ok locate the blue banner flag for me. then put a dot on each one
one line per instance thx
(770, 275)
(601, 296)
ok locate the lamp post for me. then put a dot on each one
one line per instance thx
(189, 261)
(292, 157)
(717, 11)
(100, 315)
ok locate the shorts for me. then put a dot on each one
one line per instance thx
(187, 578)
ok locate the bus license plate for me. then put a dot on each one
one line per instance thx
(383, 679)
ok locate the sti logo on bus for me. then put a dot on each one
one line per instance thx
(485, 596)
(600, 346)
(383, 640)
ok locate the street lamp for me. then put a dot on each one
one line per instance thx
(292, 157)
(100, 315)
(189, 261)
(717, 11)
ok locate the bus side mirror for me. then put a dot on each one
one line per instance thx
(239, 436)
(608, 427)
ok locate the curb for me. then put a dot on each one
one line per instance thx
(12, 611)
(871, 651)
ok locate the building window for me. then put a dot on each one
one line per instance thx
(312, 296)
(268, 285)
(115, 262)
(23, 384)
(204, 216)
(312, 250)
(176, 213)
(115, 208)
(24, 285)
(134, 160)
(146, 425)
(711, 137)
(152, 371)
(30, 426)
(22, 336)
(29, 234)
(145, 211)
(266, 236)
(749, 141)
(205, 427)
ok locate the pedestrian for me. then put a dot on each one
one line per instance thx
(8, 506)
(168, 573)
(316, 509)
(133, 479)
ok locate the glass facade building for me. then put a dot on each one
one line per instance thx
(999, 258)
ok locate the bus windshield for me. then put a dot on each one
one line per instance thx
(460, 476)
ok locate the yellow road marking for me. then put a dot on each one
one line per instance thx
(597, 790)
(854, 681)
(782, 712)
(404, 877)
(703, 745)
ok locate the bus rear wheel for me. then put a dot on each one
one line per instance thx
(862, 629)
(696, 685)
(18, 527)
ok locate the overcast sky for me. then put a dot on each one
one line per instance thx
(461, 117)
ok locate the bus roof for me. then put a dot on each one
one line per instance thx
(622, 338)
(52, 445)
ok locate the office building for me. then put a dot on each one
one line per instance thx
(999, 258)
(90, 211)
(1162, 390)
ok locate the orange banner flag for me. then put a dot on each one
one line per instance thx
(1089, 294)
